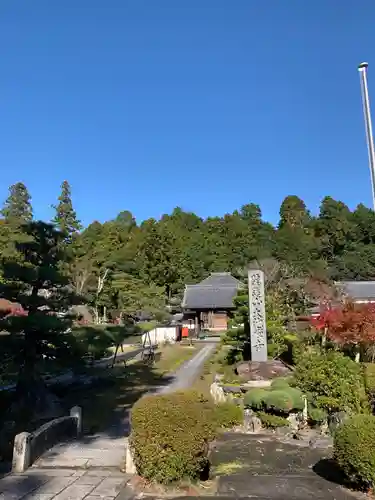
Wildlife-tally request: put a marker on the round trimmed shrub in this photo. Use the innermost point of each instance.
(297, 398)
(279, 383)
(335, 382)
(354, 449)
(170, 435)
(279, 401)
(255, 398)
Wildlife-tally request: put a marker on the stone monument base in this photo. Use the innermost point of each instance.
(262, 371)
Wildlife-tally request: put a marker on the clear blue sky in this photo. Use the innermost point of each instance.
(207, 104)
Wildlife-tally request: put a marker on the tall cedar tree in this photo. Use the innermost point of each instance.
(17, 208)
(38, 286)
(66, 218)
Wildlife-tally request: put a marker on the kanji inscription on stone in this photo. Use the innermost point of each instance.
(257, 316)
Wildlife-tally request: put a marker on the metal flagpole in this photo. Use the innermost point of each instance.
(362, 68)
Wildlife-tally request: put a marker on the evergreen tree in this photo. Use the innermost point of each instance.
(37, 284)
(66, 218)
(17, 208)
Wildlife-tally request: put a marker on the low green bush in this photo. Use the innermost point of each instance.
(369, 376)
(316, 415)
(255, 398)
(279, 383)
(279, 401)
(297, 398)
(354, 449)
(228, 414)
(170, 435)
(336, 382)
(272, 421)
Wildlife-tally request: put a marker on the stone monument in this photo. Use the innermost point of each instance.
(257, 316)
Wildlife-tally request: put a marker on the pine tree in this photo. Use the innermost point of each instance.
(17, 208)
(37, 284)
(66, 218)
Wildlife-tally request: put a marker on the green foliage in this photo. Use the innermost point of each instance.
(37, 284)
(17, 209)
(334, 381)
(279, 401)
(228, 414)
(279, 383)
(97, 340)
(170, 436)
(66, 218)
(354, 448)
(317, 415)
(272, 421)
(369, 375)
(255, 398)
(296, 396)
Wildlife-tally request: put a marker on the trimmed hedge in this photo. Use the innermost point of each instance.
(170, 435)
(279, 383)
(272, 421)
(354, 449)
(228, 414)
(297, 398)
(255, 398)
(279, 401)
(335, 382)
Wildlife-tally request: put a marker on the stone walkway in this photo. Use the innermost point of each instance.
(263, 467)
(89, 468)
(63, 484)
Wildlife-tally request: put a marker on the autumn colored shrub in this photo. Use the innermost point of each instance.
(354, 449)
(349, 325)
(170, 435)
(333, 381)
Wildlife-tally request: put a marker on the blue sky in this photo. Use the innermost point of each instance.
(144, 105)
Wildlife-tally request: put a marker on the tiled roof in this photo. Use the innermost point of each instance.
(357, 290)
(215, 292)
(220, 279)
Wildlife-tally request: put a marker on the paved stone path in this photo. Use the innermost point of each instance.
(262, 467)
(63, 484)
(90, 467)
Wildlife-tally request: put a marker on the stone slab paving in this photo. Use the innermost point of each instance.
(63, 484)
(263, 467)
(99, 450)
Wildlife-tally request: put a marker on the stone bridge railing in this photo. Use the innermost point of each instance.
(29, 446)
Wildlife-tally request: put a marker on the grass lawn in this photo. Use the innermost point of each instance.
(172, 356)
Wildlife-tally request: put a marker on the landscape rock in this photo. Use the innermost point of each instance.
(294, 421)
(252, 423)
(217, 393)
(336, 419)
(262, 370)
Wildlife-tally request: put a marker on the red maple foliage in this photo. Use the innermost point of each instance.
(8, 308)
(348, 323)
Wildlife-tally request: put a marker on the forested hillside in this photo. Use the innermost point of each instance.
(128, 267)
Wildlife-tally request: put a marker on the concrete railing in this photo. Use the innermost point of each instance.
(29, 446)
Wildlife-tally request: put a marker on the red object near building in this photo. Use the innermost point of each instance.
(185, 332)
